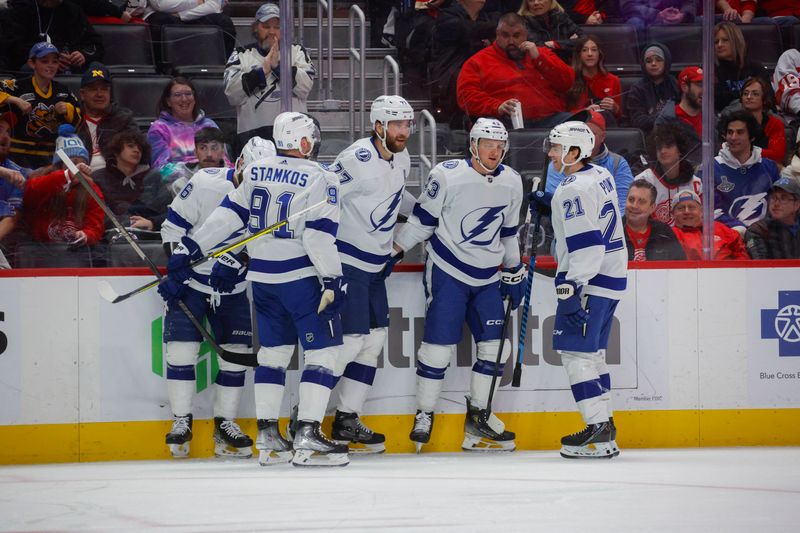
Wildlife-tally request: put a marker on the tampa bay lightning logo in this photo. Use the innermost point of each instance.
(382, 217)
(363, 155)
(749, 209)
(482, 225)
(453, 163)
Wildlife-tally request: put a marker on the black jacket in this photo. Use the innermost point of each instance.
(770, 239)
(646, 99)
(555, 26)
(730, 79)
(662, 245)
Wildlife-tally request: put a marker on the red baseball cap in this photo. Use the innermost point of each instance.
(597, 119)
(690, 74)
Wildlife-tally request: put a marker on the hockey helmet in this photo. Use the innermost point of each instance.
(386, 108)
(291, 127)
(255, 149)
(568, 135)
(487, 128)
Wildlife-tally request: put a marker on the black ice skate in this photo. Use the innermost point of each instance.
(179, 436)
(272, 447)
(593, 442)
(349, 429)
(230, 440)
(423, 425)
(480, 436)
(291, 427)
(313, 448)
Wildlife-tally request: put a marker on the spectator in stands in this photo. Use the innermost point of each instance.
(742, 177)
(158, 13)
(649, 95)
(741, 11)
(105, 11)
(12, 182)
(671, 173)
(594, 87)
(778, 235)
(792, 170)
(757, 100)
(40, 104)
(61, 23)
(101, 118)
(252, 78)
(171, 136)
(642, 13)
(733, 65)
(601, 156)
(514, 70)
(56, 207)
(461, 30)
(688, 213)
(210, 153)
(588, 12)
(647, 238)
(548, 25)
(688, 111)
(786, 82)
(782, 12)
(132, 190)
(414, 37)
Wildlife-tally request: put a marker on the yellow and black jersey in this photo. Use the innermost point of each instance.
(34, 134)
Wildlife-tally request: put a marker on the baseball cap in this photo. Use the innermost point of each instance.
(789, 185)
(684, 196)
(95, 72)
(597, 119)
(42, 49)
(690, 74)
(268, 11)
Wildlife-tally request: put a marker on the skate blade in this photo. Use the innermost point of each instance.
(274, 457)
(179, 451)
(312, 458)
(418, 446)
(227, 451)
(360, 448)
(598, 450)
(474, 443)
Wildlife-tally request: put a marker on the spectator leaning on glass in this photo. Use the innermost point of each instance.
(252, 77)
(778, 235)
(757, 99)
(648, 96)
(648, 239)
(688, 213)
(548, 25)
(594, 87)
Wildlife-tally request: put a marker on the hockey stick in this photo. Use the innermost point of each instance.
(496, 374)
(530, 234)
(109, 294)
(244, 359)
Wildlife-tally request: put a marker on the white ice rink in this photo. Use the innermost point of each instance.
(705, 490)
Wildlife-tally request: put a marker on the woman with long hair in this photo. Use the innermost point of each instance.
(595, 88)
(549, 25)
(758, 100)
(733, 65)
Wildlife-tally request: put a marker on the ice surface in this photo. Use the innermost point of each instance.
(709, 490)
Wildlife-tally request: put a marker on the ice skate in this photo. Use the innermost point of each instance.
(485, 433)
(313, 448)
(423, 425)
(349, 429)
(272, 447)
(593, 442)
(615, 448)
(291, 427)
(230, 440)
(179, 436)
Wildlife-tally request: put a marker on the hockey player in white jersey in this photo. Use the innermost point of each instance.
(372, 173)
(591, 278)
(285, 269)
(229, 315)
(468, 214)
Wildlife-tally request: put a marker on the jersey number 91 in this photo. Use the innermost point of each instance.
(260, 201)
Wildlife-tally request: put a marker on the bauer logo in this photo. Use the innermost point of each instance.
(783, 323)
(205, 369)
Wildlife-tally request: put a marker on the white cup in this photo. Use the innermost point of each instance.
(516, 117)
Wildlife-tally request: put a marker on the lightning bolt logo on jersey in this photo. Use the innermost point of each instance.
(740, 189)
(480, 227)
(749, 209)
(384, 217)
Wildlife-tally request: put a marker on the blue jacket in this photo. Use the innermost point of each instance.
(10, 196)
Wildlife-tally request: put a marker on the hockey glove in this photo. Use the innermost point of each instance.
(227, 272)
(569, 304)
(539, 202)
(331, 299)
(179, 265)
(511, 284)
(390, 263)
(171, 291)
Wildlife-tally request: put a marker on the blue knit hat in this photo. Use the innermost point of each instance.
(69, 141)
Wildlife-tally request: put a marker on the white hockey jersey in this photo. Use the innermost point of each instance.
(588, 230)
(665, 192)
(371, 191)
(469, 220)
(272, 189)
(189, 209)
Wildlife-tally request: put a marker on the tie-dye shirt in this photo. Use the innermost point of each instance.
(172, 141)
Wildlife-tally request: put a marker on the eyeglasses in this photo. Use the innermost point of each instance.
(184, 94)
(784, 199)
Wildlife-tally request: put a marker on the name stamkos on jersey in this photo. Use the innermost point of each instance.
(278, 175)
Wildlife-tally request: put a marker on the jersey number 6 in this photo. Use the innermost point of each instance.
(259, 207)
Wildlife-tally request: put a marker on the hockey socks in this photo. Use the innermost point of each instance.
(269, 386)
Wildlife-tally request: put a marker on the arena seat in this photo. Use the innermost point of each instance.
(764, 43)
(525, 153)
(193, 50)
(620, 46)
(625, 140)
(140, 94)
(626, 82)
(684, 42)
(127, 48)
(73, 83)
(211, 94)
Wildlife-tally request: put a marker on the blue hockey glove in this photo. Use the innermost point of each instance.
(511, 284)
(331, 299)
(390, 263)
(539, 202)
(569, 304)
(179, 265)
(227, 272)
(171, 291)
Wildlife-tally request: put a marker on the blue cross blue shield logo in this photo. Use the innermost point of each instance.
(783, 323)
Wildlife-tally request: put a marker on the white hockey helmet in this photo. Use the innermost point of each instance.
(487, 128)
(386, 108)
(568, 135)
(255, 149)
(291, 127)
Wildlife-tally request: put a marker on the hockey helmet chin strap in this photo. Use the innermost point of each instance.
(473, 149)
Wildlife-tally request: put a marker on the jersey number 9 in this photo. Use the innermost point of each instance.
(259, 209)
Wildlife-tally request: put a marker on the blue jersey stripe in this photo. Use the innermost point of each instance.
(448, 256)
(587, 389)
(583, 240)
(609, 282)
(269, 374)
(430, 372)
(226, 378)
(324, 225)
(348, 249)
(243, 213)
(279, 266)
(508, 232)
(488, 367)
(319, 375)
(178, 220)
(360, 372)
(425, 217)
(180, 372)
